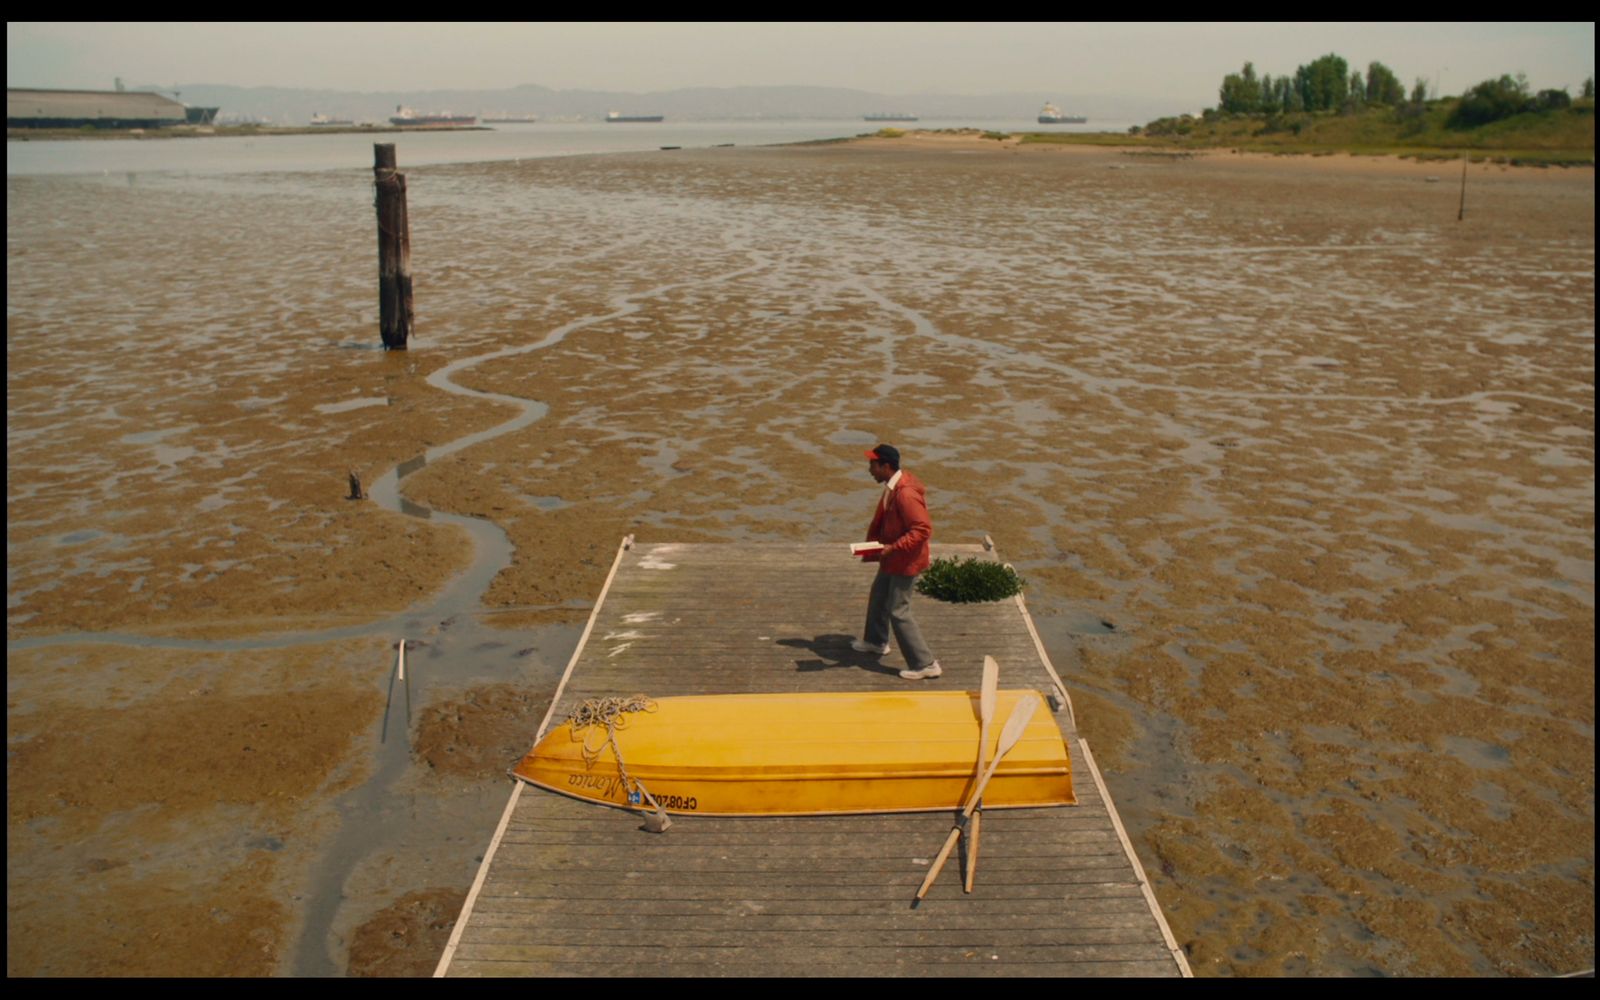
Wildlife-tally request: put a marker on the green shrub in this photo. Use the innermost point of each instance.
(1491, 101)
(968, 581)
(1278, 122)
(1412, 117)
(1553, 100)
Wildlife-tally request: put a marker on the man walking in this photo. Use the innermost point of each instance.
(901, 524)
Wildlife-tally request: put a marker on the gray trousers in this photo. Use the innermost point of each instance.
(890, 606)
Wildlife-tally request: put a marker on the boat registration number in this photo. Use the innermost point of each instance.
(610, 787)
(688, 804)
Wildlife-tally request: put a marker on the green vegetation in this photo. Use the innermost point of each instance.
(969, 581)
(1324, 107)
(1319, 109)
(1494, 100)
(1325, 84)
(1383, 87)
(890, 133)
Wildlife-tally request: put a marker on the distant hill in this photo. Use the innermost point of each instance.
(295, 106)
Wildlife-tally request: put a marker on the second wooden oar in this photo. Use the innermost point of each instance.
(986, 698)
(1009, 736)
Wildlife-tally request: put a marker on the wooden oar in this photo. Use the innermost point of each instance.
(991, 682)
(1008, 739)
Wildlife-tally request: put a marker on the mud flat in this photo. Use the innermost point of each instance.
(1300, 469)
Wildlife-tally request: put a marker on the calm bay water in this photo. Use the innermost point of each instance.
(248, 154)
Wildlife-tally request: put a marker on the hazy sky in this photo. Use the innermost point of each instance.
(1181, 62)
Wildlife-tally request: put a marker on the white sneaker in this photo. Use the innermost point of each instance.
(861, 646)
(927, 673)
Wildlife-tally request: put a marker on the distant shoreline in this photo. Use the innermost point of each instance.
(223, 131)
(974, 138)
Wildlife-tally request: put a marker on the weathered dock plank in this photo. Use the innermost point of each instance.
(570, 888)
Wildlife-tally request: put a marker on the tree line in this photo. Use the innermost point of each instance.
(1325, 84)
(1328, 84)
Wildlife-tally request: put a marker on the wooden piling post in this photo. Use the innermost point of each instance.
(394, 249)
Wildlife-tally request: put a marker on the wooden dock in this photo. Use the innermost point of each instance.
(570, 888)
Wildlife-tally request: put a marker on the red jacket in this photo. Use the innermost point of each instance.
(903, 527)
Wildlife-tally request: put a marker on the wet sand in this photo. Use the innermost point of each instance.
(1320, 455)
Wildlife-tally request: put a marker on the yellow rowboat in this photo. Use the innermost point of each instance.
(796, 754)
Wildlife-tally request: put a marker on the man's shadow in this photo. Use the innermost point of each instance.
(833, 652)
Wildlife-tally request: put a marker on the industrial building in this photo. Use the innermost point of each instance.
(97, 108)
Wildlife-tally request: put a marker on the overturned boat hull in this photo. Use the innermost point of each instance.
(800, 754)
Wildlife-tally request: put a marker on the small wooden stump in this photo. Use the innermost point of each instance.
(356, 492)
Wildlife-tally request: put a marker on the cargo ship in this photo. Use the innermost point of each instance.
(890, 116)
(1052, 115)
(617, 116)
(405, 116)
